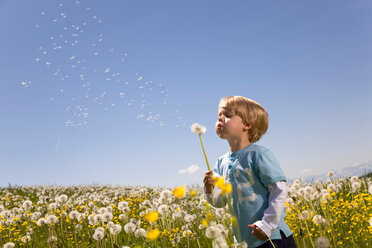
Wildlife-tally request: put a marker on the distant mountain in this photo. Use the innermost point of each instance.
(357, 170)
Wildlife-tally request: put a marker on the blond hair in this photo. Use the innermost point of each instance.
(251, 112)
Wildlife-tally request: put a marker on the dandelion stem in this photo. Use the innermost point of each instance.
(205, 155)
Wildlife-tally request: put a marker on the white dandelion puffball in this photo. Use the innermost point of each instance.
(305, 215)
(51, 219)
(198, 129)
(26, 239)
(98, 235)
(354, 179)
(317, 219)
(140, 233)
(115, 229)
(220, 242)
(355, 186)
(129, 228)
(74, 215)
(27, 204)
(9, 245)
(321, 242)
(370, 189)
(163, 209)
(212, 232)
(370, 221)
(62, 198)
(330, 174)
(332, 187)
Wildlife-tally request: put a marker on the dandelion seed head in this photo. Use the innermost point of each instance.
(322, 242)
(198, 129)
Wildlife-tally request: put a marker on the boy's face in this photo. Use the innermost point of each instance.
(230, 126)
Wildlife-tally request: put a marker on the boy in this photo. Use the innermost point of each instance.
(259, 188)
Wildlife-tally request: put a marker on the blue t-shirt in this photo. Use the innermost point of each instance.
(250, 171)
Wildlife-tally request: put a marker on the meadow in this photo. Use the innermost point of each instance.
(335, 213)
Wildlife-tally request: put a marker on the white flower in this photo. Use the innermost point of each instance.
(129, 228)
(330, 174)
(26, 239)
(189, 218)
(165, 194)
(301, 191)
(62, 198)
(100, 229)
(212, 232)
(40, 221)
(322, 242)
(220, 242)
(163, 209)
(318, 219)
(98, 235)
(27, 204)
(122, 205)
(355, 186)
(370, 189)
(74, 215)
(107, 216)
(102, 210)
(331, 187)
(305, 215)
(9, 245)
(115, 229)
(140, 232)
(354, 179)
(198, 129)
(123, 217)
(51, 219)
(314, 195)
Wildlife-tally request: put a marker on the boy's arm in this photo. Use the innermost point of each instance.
(277, 197)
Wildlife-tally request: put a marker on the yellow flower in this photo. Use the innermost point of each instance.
(153, 234)
(234, 221)
(192, 192)
(204, 222)
(219, 182)
(152, 216)
(225, 187)
(179, 191)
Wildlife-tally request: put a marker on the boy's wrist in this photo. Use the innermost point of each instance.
(266, 229)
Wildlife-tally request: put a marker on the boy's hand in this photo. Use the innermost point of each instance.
(208, 181)
(258, 233)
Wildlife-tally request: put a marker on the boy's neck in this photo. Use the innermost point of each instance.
(239, 144)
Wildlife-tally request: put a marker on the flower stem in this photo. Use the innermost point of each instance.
(205, 155)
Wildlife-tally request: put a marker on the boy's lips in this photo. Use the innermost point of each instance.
(219, 126)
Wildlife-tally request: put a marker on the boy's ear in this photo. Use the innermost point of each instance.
(247, 127)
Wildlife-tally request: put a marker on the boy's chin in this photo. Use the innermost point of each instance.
(221, 135)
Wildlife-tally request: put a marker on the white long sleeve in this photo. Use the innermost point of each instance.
(277, 197)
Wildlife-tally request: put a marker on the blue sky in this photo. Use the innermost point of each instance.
(116, 85)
